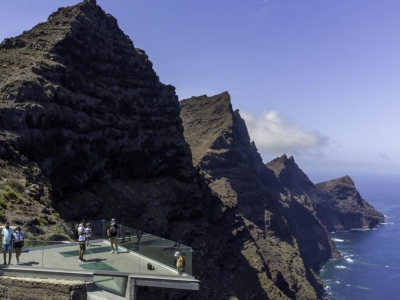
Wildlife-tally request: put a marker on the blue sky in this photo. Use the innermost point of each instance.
(315, 79)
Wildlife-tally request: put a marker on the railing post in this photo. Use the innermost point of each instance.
(131, 289)
(102, 232)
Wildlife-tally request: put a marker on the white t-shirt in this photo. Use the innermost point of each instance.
(88, 231)
(7, 233)
(82, 237)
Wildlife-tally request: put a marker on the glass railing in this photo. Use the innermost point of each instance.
(138, 252)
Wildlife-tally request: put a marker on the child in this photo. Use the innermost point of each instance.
(88, 234)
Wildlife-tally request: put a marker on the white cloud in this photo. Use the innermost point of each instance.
(273, 135)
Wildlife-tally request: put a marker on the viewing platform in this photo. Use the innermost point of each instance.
(109, 275)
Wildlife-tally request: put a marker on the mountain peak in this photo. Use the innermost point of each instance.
(288, 172)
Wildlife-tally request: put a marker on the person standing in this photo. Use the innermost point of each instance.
(82, 240)
(181, 263)
(88, 234)
(112, 233)
(139, 236)
(18, 243)
(7, 237)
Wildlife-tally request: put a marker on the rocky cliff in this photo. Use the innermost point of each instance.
(336, 203)
(78, 101)
(345, 207)
(277, 198)
(88, 130)
(234, 170)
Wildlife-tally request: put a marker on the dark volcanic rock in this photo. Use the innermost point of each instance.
(234, 170)
(297, 195)
(84, 117)
(345, 208)
(78, 99)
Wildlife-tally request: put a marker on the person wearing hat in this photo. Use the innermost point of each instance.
(7, 236)
(112, 233)
(176, 256)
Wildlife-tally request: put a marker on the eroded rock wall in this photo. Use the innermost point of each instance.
(233, 170)
(38, 289)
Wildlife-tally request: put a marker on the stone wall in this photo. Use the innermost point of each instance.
(12, 288)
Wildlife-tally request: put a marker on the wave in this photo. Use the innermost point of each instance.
(340, 267)
(338, 240)
(349, 260)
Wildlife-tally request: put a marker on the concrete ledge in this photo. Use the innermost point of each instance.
(86, 276)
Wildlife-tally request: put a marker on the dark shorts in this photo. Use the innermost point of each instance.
(82, 245)
(18, 245)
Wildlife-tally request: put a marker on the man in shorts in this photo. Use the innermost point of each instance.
(82, 240)
(112, 233)
(6, 235)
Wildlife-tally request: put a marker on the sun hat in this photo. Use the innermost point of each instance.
(177, 254)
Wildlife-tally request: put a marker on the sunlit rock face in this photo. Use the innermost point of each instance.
(88, 130)
(233, 169)
(343, 208)
(83, 103)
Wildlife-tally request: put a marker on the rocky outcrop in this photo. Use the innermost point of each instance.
(80, 106)
(94, 133)
(336, 203)
(233, 170)
(88, 130)
(78, 99)
(39, 289)
(343, 208)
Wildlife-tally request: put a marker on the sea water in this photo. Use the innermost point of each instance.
(370, 269)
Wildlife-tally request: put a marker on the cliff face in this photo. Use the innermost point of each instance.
(233, 170)
(88, 130)
(297, 195)
(345, 206)
(79, 100)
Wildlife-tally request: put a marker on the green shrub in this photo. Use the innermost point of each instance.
(42, 221)
(8, 196)
(16, 185)
(3, 203)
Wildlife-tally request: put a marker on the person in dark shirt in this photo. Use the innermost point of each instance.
(112, 233)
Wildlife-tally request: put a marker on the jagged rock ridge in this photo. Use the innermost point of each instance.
(91, 131)
(234, 170)
(81, 101)
(85, 119)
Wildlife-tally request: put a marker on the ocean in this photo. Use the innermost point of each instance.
(371, 268)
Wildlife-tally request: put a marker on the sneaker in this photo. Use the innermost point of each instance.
(18, 263)
(112, 251)
(80, 260)
(116, 252)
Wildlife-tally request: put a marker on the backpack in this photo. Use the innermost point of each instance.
(150, 266)
(76, 233)
(113, 231)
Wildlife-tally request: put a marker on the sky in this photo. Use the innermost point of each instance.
(315, 79)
